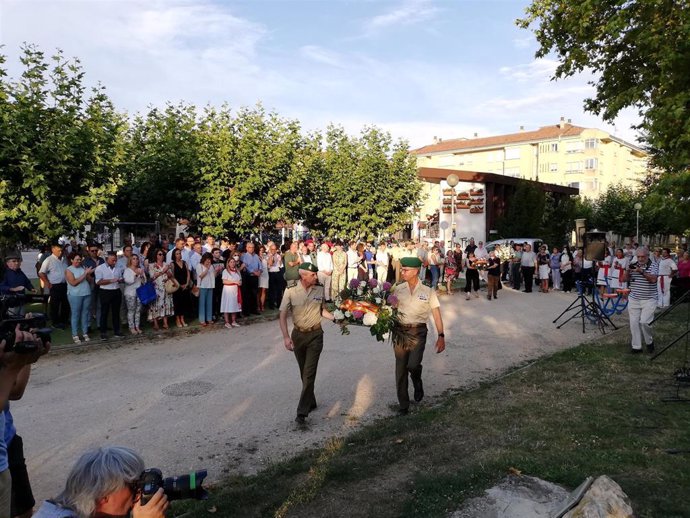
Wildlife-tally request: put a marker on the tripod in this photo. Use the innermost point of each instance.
(586, 309)
(682, 374)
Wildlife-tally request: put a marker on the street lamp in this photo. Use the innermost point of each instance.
(452, 180)
(637, 207)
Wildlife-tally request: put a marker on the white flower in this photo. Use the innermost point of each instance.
(378, 300)
(362, 284)
(376, 290)
(369, 319)
(348, 314)
(338, 315)
(386, 335)
(360, 291)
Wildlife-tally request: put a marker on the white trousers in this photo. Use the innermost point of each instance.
(325, 280)
(663, 295)
(641, 313)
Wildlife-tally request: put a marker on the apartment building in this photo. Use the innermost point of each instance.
(587, 159)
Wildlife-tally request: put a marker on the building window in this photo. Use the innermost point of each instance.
(513, 153)
(575, 147)
(554, 147)
(553, 167)
(591, 143)
(573, 167)
(494, 156)
(446, 160)
(591, 163)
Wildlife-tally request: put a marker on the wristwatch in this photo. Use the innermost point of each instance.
(441, 335)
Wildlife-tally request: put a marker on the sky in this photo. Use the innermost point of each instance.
(417, 68)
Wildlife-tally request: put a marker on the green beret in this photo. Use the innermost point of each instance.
(410, 262)
(310, 267)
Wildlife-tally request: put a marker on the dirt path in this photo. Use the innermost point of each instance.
(225, 400)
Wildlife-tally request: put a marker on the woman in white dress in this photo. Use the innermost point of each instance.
(617, 271)
(263, 279)
(231, 303)
(604, 271)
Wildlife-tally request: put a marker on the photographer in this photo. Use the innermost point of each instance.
(103, 483)
(642, 276)
(15, 368)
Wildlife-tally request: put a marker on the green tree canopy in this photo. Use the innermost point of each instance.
(639, 51)
(60, 149)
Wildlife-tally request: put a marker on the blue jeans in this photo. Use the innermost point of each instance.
(81, 309)
(435, 273)
(205, 305)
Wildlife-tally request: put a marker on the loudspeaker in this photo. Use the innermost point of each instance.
(595, 246)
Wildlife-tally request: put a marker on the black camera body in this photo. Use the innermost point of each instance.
(35, 323)
(176, 488)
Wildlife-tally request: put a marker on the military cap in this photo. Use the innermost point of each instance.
(410, 262)
(309, 267)
(13, 255)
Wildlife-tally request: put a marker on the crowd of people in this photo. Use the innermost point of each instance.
(222, 281)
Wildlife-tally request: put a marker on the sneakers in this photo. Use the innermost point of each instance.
(235, 324)
(76, 340)
(86, 338)
(104, 338)
(119, 335)
(228, 326)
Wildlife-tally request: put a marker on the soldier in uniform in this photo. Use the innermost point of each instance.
(339, 277)
(306, 302)
(415, 302)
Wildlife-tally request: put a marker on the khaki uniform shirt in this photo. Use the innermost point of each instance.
(339, 261)
(305, 305)
(415, 307)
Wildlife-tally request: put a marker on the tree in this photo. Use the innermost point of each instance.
(640, 53)
(252, 170)
(161, 175)
(371, 184)
(525, 213)
(615, 210)
(558, 219)
(59, 150)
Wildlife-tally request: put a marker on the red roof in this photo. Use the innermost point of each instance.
(544, 133)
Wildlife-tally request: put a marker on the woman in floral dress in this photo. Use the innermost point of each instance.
(162, 307)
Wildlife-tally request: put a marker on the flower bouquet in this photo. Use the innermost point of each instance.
(481, 264)
(366, 303)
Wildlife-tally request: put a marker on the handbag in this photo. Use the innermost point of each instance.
(146, 293)
(196, 291)
(171, 285)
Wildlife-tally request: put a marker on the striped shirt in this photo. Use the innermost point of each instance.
(640, 287)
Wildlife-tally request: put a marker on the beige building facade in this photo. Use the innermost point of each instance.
(588, 159)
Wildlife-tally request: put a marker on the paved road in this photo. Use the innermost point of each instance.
(225, 400)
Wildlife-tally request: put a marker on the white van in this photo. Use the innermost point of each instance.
(508, 242)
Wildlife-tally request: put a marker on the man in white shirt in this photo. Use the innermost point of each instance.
(324, 263)
(667, 270)
(108, 278)
(52, 273)
(179, 244)
(210, 244)
(382, 261)
(481, 253)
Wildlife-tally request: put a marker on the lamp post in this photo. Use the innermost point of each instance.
(452, 180)
(638, 206)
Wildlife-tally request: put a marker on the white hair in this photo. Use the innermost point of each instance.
(98, 473)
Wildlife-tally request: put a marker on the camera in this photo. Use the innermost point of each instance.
(176, 488)
(36, 323)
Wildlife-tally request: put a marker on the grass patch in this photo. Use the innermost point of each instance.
(594, 409)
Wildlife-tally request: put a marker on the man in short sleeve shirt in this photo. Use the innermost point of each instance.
(305, 301)
(642, 279)
(415, 302)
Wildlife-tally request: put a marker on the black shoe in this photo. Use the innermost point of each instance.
(418, 390)
(301, 419)
(650, 348)
(635, 351)
(403, 411)
(119, 335)
(104, 338)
